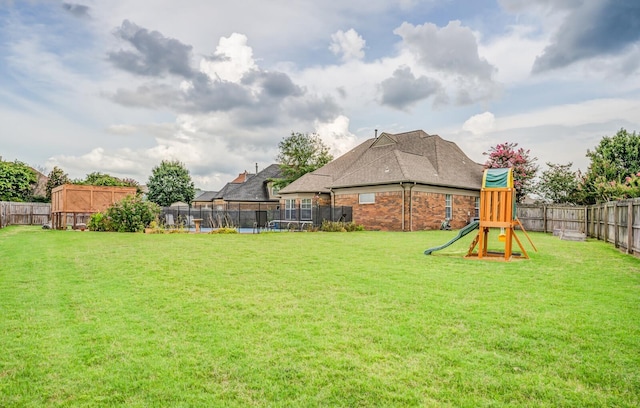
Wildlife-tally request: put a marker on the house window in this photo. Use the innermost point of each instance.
(305, 209)
(367, 198)
(275, 191)
(289, 209)
(477, 210)
(447, 206)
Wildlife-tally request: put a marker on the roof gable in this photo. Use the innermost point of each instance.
(383, 140)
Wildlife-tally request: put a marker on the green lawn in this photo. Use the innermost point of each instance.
(313, 320)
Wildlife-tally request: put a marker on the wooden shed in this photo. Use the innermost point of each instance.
(77, 199)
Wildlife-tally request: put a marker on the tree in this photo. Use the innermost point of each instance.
(300, 153)
(559, 184)
(16, 181)
(505, 155)
(170, 182)
(613, 160)
(101, 179)
(56, 177)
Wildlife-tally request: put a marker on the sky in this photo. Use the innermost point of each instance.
(118, 86)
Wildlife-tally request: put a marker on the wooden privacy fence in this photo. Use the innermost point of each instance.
(617, 222)
(549, 218)
(24, 213)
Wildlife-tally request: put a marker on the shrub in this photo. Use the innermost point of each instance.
(154, 228)
(224, 231)
(335, 226)
(98, 222)
(131, 214)
(352, 226)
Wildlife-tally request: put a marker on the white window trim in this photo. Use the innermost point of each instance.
(289, 209)
(306, 211)
(448, 205)
(372, 197)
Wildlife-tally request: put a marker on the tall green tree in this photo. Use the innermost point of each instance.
(16, 181)
(101, 179)
(56, 177)
(507, 155)
(170, 182)
(300, 153)
(559, 184)
(612, 161)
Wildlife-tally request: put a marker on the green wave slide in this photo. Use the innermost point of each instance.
(464, 231)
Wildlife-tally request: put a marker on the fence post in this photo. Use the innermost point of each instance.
(616, 232)
(606, 222)
(603, 213)
(630, 227)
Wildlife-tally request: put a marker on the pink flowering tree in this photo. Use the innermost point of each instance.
(506, 155)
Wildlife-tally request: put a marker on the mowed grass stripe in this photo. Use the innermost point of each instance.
(313, 319)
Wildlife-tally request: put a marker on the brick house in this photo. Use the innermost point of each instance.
(395, 182)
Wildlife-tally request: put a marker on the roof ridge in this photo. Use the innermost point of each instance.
(403, 167)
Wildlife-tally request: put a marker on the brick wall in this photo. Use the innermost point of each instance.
(427, 210)
(385, 214)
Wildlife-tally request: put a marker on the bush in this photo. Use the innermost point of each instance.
(352, 226)
(154, 228)
(98, 222)
(335, 226)
(224, 231)
(131, 214)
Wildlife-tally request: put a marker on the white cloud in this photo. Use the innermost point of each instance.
(575, 114)
(514, 53)
(452, 49)
(232, 59)
(479, 124)
(121, 129)
(348, 45)
(336, 135)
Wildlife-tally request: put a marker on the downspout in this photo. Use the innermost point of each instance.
(411, 206)
(333, 203)
(402, 187)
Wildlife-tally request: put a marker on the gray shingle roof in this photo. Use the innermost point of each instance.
(392, 158)
(253, 189)
(206, 196)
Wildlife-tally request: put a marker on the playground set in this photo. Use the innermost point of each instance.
(497, 210)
